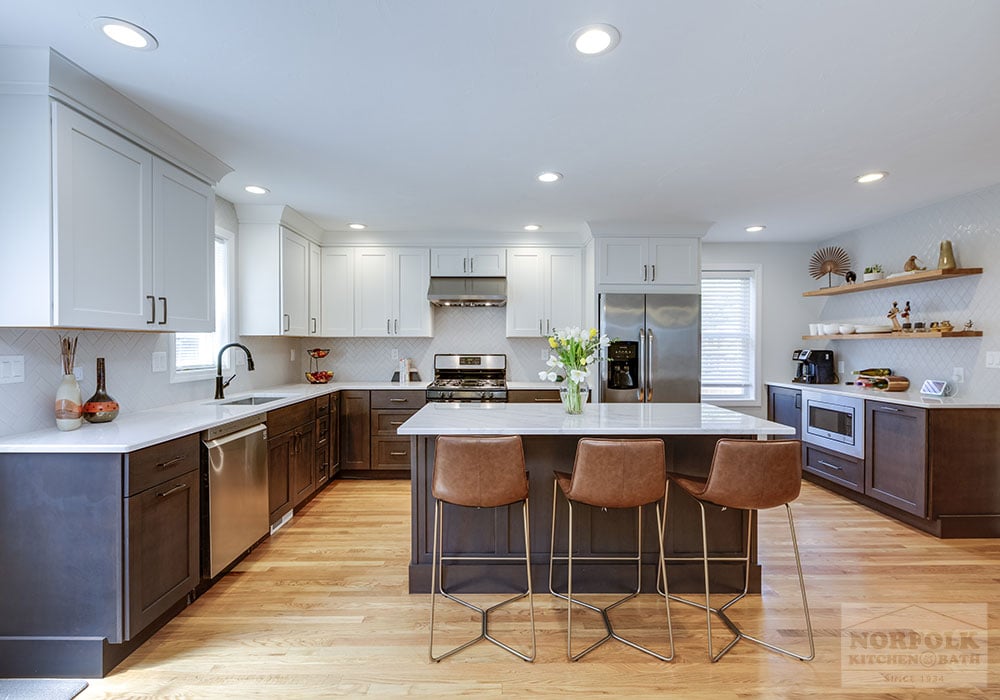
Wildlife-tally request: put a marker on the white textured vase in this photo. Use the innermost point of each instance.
(69, 404)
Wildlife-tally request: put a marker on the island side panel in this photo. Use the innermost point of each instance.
(498, 532)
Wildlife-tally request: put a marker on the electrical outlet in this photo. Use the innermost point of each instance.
(958, 375)
(840, 367)
(993, 359)
(545, 354)
(78, 373)
(159, 362)
(291, 355)
(394, 353)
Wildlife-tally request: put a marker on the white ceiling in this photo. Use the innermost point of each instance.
(435, 115)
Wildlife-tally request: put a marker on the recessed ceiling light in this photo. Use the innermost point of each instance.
(871, 177)
(357, 227)
(531, 227)
(549, 177)
(756, 228)
(126, 33)
(256, 189)
(596, 39)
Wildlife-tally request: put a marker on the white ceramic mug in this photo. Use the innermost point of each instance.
(813, 329)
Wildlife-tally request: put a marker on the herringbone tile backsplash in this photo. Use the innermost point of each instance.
(972, 223)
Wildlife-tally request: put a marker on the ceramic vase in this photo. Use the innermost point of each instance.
(69, 404)
(946, 258)
(573, 396)
(100, 408)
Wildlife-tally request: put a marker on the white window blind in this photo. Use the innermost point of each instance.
(728, 335)
(198, 351)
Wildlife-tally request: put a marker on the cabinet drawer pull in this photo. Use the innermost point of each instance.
(175, 489)
(888, 409)
(395, 400)
(152, 309)
(164, 321)
(169, 463)
(397, 454)
(828, 465)
(538, 400)
(395, 422)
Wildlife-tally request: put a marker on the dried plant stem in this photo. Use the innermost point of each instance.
(68, 352)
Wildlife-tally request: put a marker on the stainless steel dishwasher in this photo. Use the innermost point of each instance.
(235, 503)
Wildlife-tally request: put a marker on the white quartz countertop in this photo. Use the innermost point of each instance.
(912, 397)
(596, 419)
(133, 431)
(535, 385)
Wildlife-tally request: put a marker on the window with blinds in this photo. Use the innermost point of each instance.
(729, 335)
(195, 353)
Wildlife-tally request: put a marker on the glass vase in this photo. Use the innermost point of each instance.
(100, 408)
(573, 396)
(69, 404)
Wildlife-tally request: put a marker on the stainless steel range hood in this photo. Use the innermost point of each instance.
(467, 291)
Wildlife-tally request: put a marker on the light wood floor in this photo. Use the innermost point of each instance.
(321, 609)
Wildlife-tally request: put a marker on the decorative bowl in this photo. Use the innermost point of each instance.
(320, 377)
(846, 328)
(829, 328)
(318, 353)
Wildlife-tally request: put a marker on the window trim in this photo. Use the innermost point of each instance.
(194, 375)
(755, 270)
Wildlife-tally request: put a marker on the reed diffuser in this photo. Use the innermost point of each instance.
(69, 402)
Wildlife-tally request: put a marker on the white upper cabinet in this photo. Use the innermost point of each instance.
(295, 318)
(390, 294)
(544, 290)
(336, 292)
(468, 262)
(654, 263)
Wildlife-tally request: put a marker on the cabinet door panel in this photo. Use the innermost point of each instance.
(487, 262)
(303, 464)
(896, 454)
(674, 261)
(334, 434)
(103, 224)
(785, 406)
(372, 305)
(525, 300)
(294, 283)
(413, 316)
(355, 445)
(184, 250)
(620, 260)
(337, 293)
(279, 481)
(564, 289)
(315, 263)
(449, 262)
(163, 541)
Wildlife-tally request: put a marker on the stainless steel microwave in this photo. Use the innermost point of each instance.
(834, 422)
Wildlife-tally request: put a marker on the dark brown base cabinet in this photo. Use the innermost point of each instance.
(389, 410)
(932, 468)
(291, 458)
(785, 406)
(355, 431)
(98, 552)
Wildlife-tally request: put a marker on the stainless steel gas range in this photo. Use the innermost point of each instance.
(469, 378)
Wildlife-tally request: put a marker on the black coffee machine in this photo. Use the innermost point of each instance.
(814, 367)
(623, 364)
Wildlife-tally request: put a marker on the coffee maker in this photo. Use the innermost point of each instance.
(623, 364)
(814, 367)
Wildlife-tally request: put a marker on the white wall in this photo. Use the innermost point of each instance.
(785, 314)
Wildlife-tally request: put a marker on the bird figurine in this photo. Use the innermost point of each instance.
(912, 264)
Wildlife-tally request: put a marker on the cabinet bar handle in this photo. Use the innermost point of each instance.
(169, 462)
(388, 326)
(152, 309)
(397, 400)
(397, 454)
(654, 273)
(314, 325)
(828, 465)
(175, 489)
(645, 271)
(545, 400)
(540, 331)
(395, 422)
(164, 321)
(548, 326)
(472, 264)
(465, 264)
(888, 409)
(395, 326)
(288, 322)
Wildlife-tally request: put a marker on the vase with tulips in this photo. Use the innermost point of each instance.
(574, 352)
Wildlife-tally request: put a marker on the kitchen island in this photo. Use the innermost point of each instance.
(689, 431)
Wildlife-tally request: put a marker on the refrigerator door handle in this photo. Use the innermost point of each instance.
(640, 391)
(649, 365)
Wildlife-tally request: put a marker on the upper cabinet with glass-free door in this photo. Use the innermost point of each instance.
(544, 290)
(468, 262)
(390, 292)
(655, 264)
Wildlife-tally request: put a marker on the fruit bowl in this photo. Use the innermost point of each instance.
(318, 353)
(320, 377)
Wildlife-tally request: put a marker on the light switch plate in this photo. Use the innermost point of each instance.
(11, 369)
(159, 362)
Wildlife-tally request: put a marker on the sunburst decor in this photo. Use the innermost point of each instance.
(829, 261)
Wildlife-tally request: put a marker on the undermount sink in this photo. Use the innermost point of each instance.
(250, 400)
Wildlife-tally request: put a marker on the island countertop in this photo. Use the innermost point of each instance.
(596, 419)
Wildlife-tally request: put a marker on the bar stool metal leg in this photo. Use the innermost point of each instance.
(437, 588)
(610, 632)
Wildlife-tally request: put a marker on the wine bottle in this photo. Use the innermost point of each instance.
(100, 408)
(874, 372)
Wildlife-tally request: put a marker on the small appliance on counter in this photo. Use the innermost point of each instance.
(814, 367)
(405, 374)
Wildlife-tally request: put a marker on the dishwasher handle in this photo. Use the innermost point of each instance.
(239, 435)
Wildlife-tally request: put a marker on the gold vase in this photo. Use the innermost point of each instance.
(946, 258)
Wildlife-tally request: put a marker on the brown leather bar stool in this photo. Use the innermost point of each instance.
(611, 474)
(478, 472)
(750, 475)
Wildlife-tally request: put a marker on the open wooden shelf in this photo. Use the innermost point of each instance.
(896, 334)
(911, 278)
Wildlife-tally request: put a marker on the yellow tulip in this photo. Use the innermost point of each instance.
(552, 342)
(593, 332)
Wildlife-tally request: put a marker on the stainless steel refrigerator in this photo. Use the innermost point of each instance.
(655, 354)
